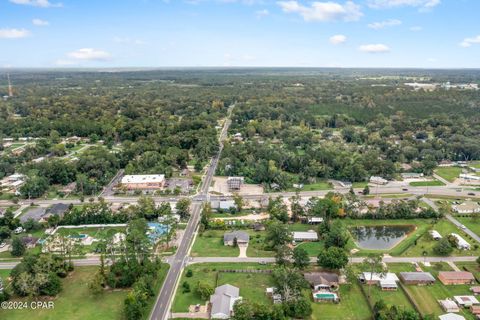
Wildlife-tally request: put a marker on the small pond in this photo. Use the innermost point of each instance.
(380, 237)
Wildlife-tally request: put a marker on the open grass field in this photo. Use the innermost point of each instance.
(432, 183)
(252, 286)
(75, 302)
(449, 173)
(93, 232)
(320, 185)
(352, 306)
(397, 298)
(427, 296)
(471, 223)
(426, 244)
(210, 244)
(472, 267)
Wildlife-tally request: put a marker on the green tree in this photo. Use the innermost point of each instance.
(443, 247)
(18, 247)
(332, 258)
(301, 260)
(373, 264)
(204, 290)
(277, 234)
(183, 208)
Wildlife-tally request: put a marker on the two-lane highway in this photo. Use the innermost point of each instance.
(165, 297)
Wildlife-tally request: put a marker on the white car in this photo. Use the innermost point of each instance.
(3, 244)
(18, 230)
(463, 227)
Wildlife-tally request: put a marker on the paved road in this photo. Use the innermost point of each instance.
(164, 299)
(108, 190)
(386, 259)
(385, 190)
(459, 224)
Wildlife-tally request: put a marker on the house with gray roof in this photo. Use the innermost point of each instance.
(33, 213)
(241, 236)
(222, 301)
(58, 209)
(418, 278)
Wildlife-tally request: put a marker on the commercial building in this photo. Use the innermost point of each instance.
(378, 180)
(466, 207)
(235, 183)
(143, 182)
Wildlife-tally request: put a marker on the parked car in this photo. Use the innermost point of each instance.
(3, 244)
(471, 194)
(463, 227)
(404, 189)
(18, 230)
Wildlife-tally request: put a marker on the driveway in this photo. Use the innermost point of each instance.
(243, 250)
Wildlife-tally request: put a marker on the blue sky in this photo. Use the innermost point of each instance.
(163, 33)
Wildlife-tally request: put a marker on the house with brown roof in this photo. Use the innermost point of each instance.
(475, 290)
(456, 277)
(322, 280)
(475, 310)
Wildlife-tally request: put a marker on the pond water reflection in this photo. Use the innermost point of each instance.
(380, 237)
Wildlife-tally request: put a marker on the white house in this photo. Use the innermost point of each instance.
(299, 236)
(462, 244)
(466, 301)
(378, 180)
(435, 235)
(466, 207)
(222, 301)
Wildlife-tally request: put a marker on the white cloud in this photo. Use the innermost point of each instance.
(338, 39)
(374, 48)
(383, 24)
(467, 42)
(89, 54)
(13, 33)
(262, 13)
(37, 3)
(323, 11)
(40, 22)
(422, 4)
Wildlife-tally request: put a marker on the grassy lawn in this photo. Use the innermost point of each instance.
(449, 173)
(321, 185)
(444, 227)
(256, 247)
(252, 286)
(472, 267)
(362, 184)
(421, 224)
(76, 302)
(93, 232)
(229, 215)
(427, 296)
(352, 306)
(312, 248)
(471, 223)
(210, 244)
(433, 183)
(397, 298)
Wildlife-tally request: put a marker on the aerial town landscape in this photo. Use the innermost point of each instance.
(259, 192)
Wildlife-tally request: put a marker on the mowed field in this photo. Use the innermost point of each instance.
(352, 306)
(252, 285)
(449, 173)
